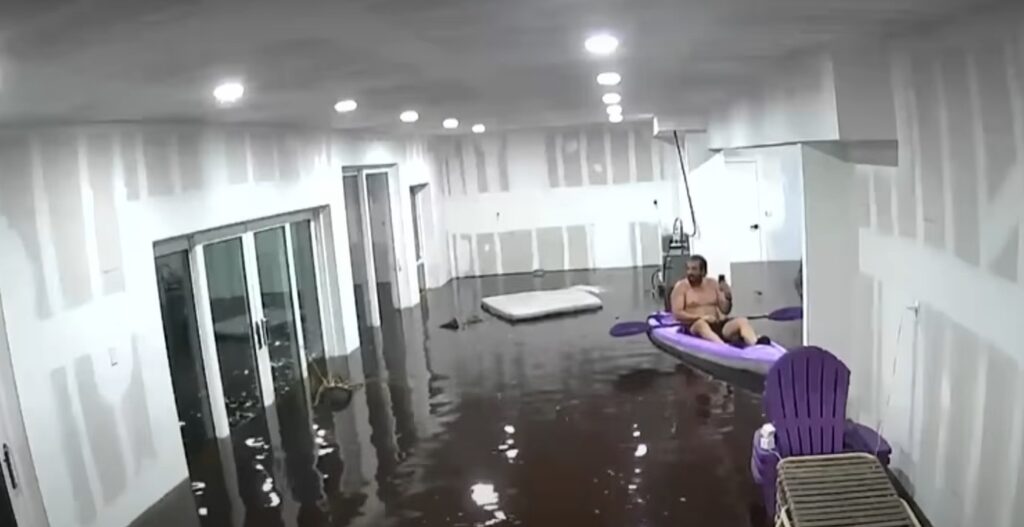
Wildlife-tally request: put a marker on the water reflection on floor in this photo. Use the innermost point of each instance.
(543, 424)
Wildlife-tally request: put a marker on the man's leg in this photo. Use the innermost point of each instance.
(703, 330)
(740, 327)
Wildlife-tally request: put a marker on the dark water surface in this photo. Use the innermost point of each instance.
(552, 423)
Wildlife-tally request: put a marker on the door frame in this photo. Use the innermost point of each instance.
(195, 244)
(26, 499)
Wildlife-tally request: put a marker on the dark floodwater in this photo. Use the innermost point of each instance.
(552, 423)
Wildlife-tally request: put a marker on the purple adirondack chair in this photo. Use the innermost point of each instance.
(805, 400)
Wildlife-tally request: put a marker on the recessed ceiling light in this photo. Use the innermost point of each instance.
(409, 116)
(229, 92)
(450, 123)
(601, 44)
(615, 118)
(479, 128)
(609, 78)
(345, 106)
(611, 98)
(614, 109)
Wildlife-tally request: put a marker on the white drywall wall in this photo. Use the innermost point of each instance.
(615, 183)
(796, 102)
(80, 209)
(739, 188)
(934, 294)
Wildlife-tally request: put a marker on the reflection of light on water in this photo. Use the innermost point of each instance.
(203, 511)
(268, 484)
(198, 486)
(275, 500)
(255, 442)
(636, 433)
(324, 451)
(485, 496)
(632, 486)
(509, 429)
(641, 451)
(511, 454)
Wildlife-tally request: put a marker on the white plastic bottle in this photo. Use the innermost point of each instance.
(767, 437)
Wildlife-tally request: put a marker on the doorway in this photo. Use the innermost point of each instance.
(242, 316)
(416, 198)
(370, 220)
(20, 499)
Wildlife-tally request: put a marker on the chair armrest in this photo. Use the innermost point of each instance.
(860, 438)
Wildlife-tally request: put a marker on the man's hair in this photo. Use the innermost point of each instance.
(701, 261)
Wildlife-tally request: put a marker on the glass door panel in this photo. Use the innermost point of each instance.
(276, 295)
(233, 330)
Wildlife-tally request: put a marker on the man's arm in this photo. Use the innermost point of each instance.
(679, 304)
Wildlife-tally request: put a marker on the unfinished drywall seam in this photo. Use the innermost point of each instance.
(945, 141)
(609, 172)
(631, 148)
(559, 161)
(92, 252)
(976, 425)
(48, 257)
(582, 151)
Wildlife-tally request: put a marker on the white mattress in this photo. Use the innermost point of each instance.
(539, 304)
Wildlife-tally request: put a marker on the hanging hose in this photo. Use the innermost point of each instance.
(686, 184)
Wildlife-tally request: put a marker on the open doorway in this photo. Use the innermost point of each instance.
(416, 198)
(370, 200)
(20, 500)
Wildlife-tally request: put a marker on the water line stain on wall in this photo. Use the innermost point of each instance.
(58, 154)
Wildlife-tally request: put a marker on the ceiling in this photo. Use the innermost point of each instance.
(504, 63)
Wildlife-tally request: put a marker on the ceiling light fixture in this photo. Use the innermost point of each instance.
(479, 128)
(409, 116)
(345, 106)
(615, 118)
(601, 44)
(614, 109)
(609, 78)
(611, 98)
(229, 92)
(450, 123)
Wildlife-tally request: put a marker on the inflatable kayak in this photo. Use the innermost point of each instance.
(752, 362)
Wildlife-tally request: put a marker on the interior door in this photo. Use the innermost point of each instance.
(744, 216)
(20, 499)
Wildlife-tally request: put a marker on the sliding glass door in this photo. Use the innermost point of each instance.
(242, 315)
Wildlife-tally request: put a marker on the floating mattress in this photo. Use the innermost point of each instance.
(539, 304)
(667, 335)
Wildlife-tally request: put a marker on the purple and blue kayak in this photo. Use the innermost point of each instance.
(665, 333)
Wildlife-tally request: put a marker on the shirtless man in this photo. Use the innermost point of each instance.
(700, 304)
